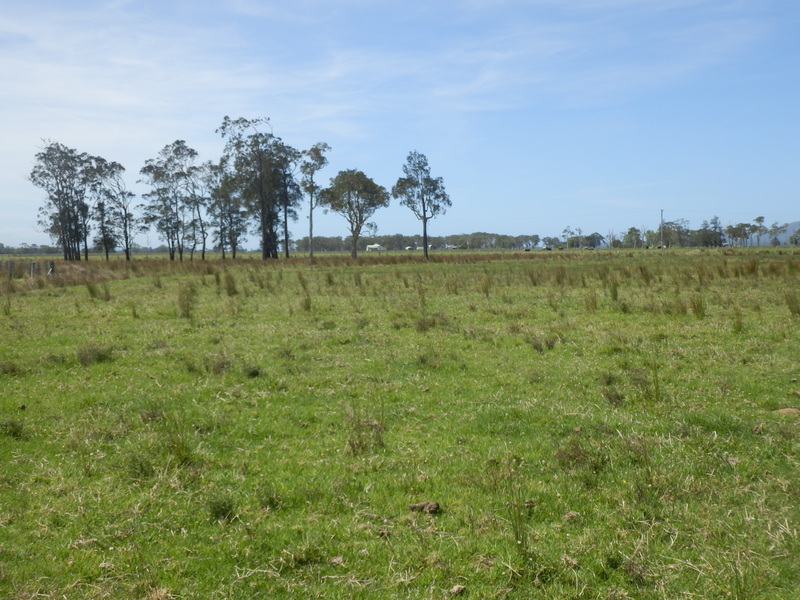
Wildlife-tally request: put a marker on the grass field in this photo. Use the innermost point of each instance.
(592, 425)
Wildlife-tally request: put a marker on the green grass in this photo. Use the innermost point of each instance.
(593, 425)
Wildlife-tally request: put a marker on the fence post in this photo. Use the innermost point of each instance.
(32, 269)
(51, 267)
(10, 269)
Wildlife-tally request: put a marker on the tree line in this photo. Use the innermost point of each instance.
(255, 187)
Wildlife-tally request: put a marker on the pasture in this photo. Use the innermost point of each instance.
(599, 425)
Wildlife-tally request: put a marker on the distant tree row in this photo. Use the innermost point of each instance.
(256, 187)
(709, 234)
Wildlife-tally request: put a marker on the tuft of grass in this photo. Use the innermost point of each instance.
(698, 306)
(221, 507)
(364, 431)
(90, 354)
(13, 428)
(187, 299)
(230, 284)
(793, 302)
(11, 368)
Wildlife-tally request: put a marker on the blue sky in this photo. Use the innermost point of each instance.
(538, 114)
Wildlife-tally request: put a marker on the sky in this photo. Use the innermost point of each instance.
(539, 115)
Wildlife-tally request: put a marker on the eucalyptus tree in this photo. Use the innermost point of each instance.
(114, 209)
(286, 161)
(356, 197)
(758, 229)
(226, 207)
(68, 178)
(421, 193)
(775, 231)
(253, 157)
(169, 203)
(197, 199)
(315, 160)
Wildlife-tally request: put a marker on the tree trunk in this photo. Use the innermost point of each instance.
(310, 232)
(425, 238)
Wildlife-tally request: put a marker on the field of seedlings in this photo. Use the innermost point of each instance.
(560, 425)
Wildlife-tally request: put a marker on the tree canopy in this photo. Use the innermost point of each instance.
(421, 193)
(356, 197)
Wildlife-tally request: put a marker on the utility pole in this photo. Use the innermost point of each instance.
(661, 229)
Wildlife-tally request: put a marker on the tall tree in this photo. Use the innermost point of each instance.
(758, 229)
(421, 193)
(775, 231)
(116, 202)
(67, 177)
(169, 204)
(226, 207)
(356, 197)
(252, 153)
(315, 160)
(286, 162)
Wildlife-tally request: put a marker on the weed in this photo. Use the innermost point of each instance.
(737, 325)
(218, 363)
(486, 285)
(138, 466)
(590, 300)
(698, 306)
(793, 302)
(12, 428)
(252, 371)
(427, 322)
(230, 284)
(613, 289)
(305, 302)
(92, 288)
(365, 432)
(614, 396)
(221, 507)
(187, 299)
(8, 367)
(269, 498)
(91, 354)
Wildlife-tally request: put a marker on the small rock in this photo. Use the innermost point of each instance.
(457, 589)
(336, 560)
(426, 507)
